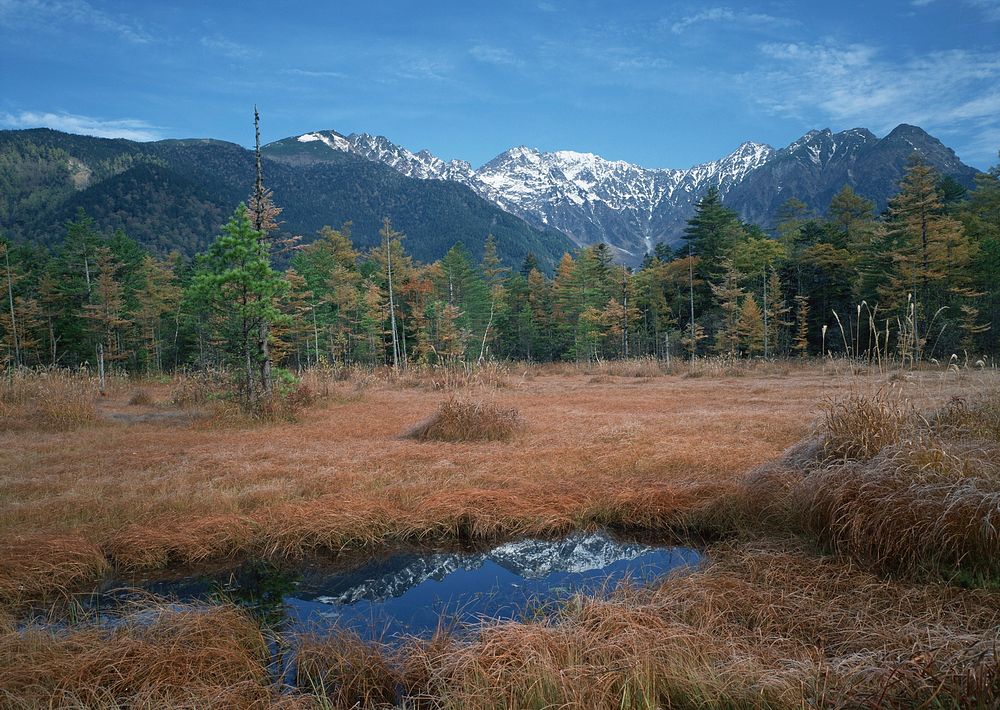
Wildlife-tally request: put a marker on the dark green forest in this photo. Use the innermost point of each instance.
(918, 282)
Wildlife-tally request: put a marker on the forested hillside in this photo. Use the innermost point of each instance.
(176, 194)
(920, 282)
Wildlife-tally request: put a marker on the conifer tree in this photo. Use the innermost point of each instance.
(12, 338)
(802, 325)
(931, 254)
(980, 217)
(263, 219)
(750, 327)
(240, 289)
(727, 296)
(712, 233)
(853, 215)
(775, 313)
(161, 295)
(105, 311)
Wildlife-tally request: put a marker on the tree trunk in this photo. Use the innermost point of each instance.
(13, 318)
(392, 306)
(100, 367)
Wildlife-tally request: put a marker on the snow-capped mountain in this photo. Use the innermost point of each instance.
(631, 208)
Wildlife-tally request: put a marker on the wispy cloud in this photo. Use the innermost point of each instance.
(131, 128)
(952, 92)
(989, 8)
(496, 55)
(726, 15)
(229, 48)
(35, 14)
(417, 64)
(315, 74)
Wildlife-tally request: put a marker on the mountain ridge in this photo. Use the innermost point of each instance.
(631, 207)
(176, 194)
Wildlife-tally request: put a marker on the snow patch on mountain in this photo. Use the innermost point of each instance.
(629, 207)
(331, 139)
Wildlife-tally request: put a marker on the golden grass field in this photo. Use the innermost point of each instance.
(821, 588)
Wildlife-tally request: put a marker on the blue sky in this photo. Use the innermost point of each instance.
(661, 84)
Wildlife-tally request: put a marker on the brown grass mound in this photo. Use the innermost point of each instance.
(346, 671)
(155, 543)
(140, 398)
(918, 504)
(340, 523)
(859, 426)
(892, 489)
(490, 514)
(36, 566)
(469, 420)
(159, 657)
(977, 418)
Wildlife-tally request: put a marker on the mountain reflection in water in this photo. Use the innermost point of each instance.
(410, 592)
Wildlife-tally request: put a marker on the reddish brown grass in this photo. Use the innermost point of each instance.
(859, 426)
(766, 624)
(157, 658)
(140, 398)
(54, 400)
(38, 564)
(468, 420)
(891, 488)
(657, 454)
(346, 671)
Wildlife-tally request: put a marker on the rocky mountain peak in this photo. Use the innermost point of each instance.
(631, 208)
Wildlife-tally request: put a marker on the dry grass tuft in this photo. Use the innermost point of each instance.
(346, 671)
(56, 400)
(915, 505)
(42, 566)
(978, 417)
(697, 509)
(140, 398)
(469, 420)
(335, 524)
(157, 657)
(893, 490)
(859, 426)
(153, 544)
(490, 514)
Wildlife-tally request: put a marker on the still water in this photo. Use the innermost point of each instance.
(412, 592)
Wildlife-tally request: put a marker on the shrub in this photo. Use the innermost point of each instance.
(468, 420)
(140, 397)
(195, 389)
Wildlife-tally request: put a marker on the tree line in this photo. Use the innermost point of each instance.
(920, 281)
